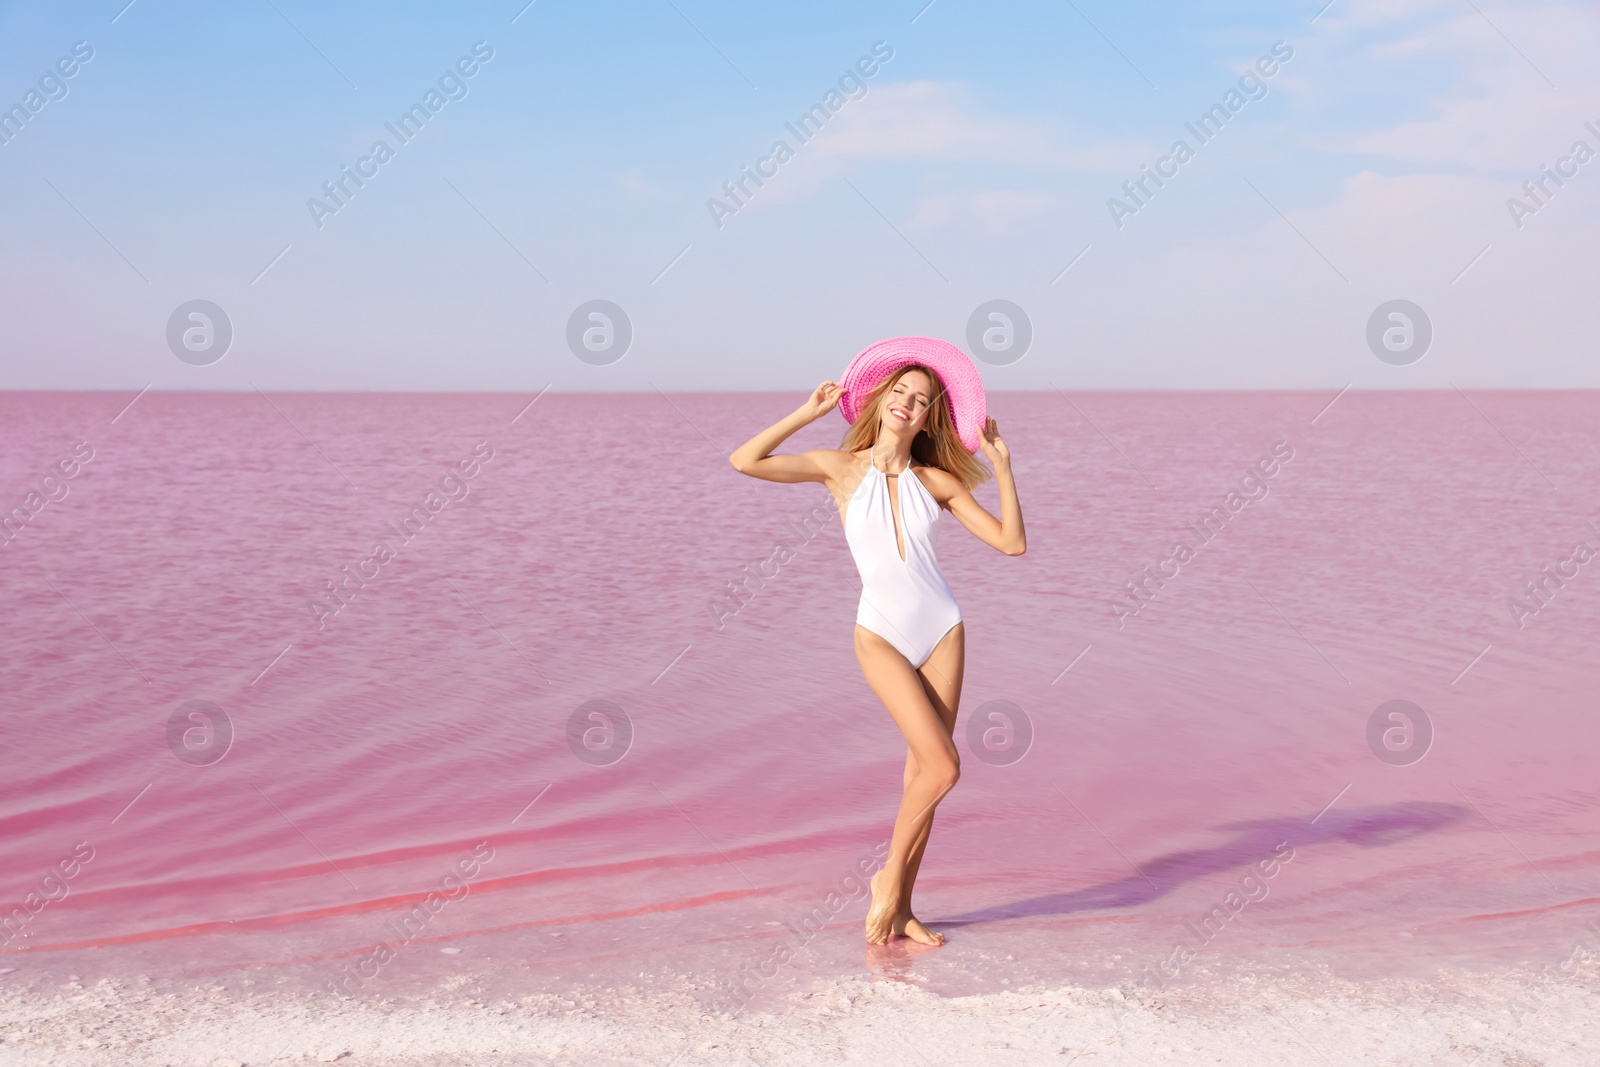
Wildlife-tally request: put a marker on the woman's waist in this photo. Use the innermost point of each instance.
(900, 580)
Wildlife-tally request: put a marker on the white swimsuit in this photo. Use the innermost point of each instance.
(906, 602)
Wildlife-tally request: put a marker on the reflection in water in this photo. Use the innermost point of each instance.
(896, 960)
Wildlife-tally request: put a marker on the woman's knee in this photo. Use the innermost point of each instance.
(953, 775)
(943, 772)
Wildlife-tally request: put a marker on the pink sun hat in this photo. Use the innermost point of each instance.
(963, 387)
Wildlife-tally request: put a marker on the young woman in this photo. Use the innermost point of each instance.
(918, 414)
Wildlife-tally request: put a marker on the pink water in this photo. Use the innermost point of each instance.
(1224, 721)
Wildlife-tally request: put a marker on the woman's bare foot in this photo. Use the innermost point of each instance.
(909, 925)
(881, 912)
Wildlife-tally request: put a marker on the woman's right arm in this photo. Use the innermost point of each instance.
(754, 456)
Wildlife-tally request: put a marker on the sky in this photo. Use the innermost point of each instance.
(1373, 151)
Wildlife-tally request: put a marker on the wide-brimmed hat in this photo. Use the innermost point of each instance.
(958, 375)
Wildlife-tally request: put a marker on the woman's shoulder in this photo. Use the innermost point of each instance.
(940, 482)
(932, 475)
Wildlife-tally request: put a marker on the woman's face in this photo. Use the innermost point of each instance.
(906, 404)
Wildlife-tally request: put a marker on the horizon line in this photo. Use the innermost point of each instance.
(803, 389)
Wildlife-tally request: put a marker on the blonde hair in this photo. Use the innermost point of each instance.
(936, 444)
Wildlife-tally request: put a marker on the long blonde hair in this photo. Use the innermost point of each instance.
(936, 444)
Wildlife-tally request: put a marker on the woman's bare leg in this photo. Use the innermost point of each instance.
(941, 681)
(938, 768)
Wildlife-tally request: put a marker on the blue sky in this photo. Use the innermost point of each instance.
(977, 165)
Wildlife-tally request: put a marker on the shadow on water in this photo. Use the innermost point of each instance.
(1372, 827)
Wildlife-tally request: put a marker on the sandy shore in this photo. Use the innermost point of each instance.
(1515, 1020)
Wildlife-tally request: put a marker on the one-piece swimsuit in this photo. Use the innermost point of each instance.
(907, 602)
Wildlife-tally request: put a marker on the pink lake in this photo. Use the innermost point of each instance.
(375, 747)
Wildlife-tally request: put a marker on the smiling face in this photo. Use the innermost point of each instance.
(911, 408)
(903, 411)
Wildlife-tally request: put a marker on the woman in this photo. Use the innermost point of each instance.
(917, 411)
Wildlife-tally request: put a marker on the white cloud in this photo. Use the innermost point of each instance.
(1262, 307)
(937, 120)
(999, 211)
(937, 123)
(1496, 113)
(1003, 209)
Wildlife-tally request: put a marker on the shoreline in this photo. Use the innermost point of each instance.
(1512, 1018)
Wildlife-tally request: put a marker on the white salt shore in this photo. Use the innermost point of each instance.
(1461, 1019)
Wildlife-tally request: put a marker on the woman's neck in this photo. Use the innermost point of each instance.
(890, 455)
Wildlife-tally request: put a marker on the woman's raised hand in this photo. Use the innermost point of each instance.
(823, 400)
(992, 445)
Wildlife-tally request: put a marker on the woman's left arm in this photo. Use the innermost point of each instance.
(1006, 532)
